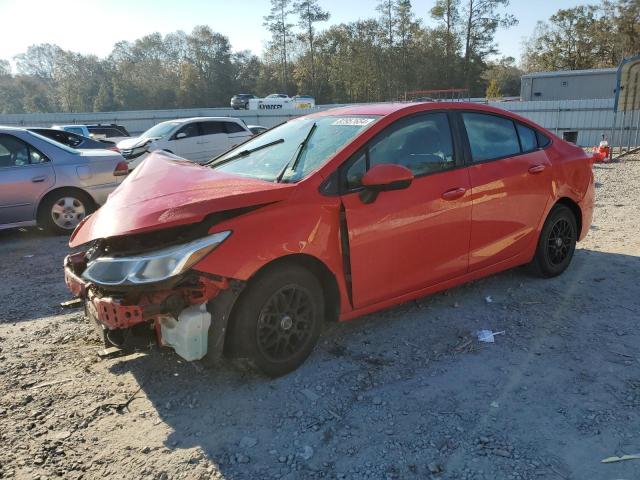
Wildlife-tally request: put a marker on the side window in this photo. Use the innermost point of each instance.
(190, 129)
(356, 171)
(490, 136)
(528, 140)
(112, 132)
(543, 140)
(16, 153)
(422, 143)
(36, 157)
(232, 127)
(212, 128)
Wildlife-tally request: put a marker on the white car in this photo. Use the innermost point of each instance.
(197, 139)
(280, 101)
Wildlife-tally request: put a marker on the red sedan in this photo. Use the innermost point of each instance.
(327, 217)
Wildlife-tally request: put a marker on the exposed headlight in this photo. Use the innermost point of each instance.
(151, 267)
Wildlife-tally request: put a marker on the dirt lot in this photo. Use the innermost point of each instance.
(406, 393)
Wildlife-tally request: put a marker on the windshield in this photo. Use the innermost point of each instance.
(54, 143)
(277, 161)
(160, 130)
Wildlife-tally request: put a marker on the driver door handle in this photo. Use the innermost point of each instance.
(536, 169)
(38, 179)
(454, 193)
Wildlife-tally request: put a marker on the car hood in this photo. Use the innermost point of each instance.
(166, 191)
(133, 142)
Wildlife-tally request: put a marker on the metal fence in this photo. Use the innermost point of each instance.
(140, 120)
(581, 121)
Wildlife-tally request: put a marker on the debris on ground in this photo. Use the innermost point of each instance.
(623, 458)
(487, 335)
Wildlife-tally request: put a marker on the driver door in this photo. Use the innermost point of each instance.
(409, 239)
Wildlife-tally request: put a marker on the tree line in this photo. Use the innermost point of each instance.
(586, 36)
(381, 58)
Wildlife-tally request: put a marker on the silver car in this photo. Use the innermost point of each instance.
(49, 184)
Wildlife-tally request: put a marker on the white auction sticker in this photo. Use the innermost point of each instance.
(353, 121)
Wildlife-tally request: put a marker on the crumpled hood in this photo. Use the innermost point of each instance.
(133, 142)
(166, 191)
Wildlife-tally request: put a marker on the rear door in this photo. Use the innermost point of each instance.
(25, 175)
(214, 139)
(236, 134)
(187, 145)
(511, 180)
(408, 239)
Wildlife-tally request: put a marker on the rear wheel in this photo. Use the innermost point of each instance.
(62, 211)
(278, 319)
(557, 242)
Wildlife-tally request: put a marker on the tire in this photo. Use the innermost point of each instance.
(263, 326)
(557, 243)
(61, 211)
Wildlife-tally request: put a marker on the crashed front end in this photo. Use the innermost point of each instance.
(133, 284)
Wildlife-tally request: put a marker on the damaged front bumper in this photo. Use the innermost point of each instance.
(160, 307)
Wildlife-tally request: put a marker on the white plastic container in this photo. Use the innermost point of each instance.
(187, 334)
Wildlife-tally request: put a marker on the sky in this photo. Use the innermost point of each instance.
(94, 26)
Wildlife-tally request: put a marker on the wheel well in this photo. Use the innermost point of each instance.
(575, 208)
(57, 191)
(322, 273)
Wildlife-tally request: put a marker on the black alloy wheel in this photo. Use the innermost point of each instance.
(285, 323)
(560, 241)
(277, 319)
(557, 242)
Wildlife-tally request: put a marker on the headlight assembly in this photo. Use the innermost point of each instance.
(151, 267)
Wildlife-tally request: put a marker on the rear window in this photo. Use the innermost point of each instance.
(54, 143)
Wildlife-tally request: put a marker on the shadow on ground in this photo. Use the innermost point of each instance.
(410, 393)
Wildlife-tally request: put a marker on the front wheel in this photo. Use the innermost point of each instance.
(557, 243)
(278, 319)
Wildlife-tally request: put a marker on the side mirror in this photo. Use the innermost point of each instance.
(180, 135)
(383, 178)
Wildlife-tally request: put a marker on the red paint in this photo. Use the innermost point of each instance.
(165, 192)
(442, 230)
(386, 174)
(115, 313)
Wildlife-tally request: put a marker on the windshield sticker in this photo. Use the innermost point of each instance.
(353, 122)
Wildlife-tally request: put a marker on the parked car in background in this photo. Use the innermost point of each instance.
(111, 132)
(281, 101)
(47, 183)
(197, 139)
(304, 101)
(257, 129)
(241, 101)
(73, 140)
(328, 217)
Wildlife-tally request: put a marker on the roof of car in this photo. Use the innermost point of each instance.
(385, 109)
(184, 120)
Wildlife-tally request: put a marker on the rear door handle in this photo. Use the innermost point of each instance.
(38, 179)
(454, 193)
(536, 169)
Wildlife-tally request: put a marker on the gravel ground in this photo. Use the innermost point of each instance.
(405, 393)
